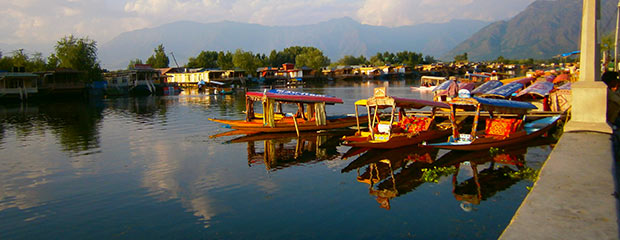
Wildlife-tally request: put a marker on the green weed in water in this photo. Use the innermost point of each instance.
(435, 173)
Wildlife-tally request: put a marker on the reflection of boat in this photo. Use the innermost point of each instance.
(391, 173)
(499, 132)
(287, 149)
(498, 176)
(406, 130)
(274, 119)
(215, 87)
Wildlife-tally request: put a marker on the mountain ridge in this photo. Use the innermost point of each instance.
(544, 29)
(335, 37)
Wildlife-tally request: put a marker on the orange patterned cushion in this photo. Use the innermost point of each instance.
(500, 127)
(416, 124)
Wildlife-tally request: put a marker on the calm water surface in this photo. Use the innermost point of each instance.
(144, 168)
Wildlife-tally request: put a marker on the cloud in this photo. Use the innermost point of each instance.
(407, 12)
(46, 21)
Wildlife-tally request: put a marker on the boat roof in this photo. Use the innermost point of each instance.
(487, 86)
(292, 96)
(540, 89)
(18, 74)
(489, 104)
(444, 85)
(387, 101)
(433, 78)
(504, 91)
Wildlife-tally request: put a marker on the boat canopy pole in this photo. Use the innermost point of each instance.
(357, 120)
(392, 120)
(455, 132)
(475, 126)
(369, 121)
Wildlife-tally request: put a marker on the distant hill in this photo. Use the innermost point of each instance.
(336, 38)
(544, 29)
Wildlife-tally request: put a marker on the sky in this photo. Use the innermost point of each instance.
(46, 21)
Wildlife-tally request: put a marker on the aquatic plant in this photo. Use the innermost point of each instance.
(435, 173)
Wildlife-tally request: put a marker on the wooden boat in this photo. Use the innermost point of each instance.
(499, 132)
(274, 119)
(394, 133)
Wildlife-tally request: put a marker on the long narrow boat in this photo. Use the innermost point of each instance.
(394, 133)
(499, 132)
(310, 115)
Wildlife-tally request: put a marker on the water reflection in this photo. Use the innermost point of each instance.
(75, 124)
(392, 173)
(492, 171)
(281, 150)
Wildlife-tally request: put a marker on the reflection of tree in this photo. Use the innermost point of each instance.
(75, 124)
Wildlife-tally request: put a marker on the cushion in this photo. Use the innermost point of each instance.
(416, 124)
(502, 126)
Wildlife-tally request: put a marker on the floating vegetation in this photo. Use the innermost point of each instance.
(435, 173)
(527, 173)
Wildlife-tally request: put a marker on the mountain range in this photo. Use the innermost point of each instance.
(336, 38)
(546, 28)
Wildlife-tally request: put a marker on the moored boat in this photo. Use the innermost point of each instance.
(498, 132)
(400, 130)
(310, 115)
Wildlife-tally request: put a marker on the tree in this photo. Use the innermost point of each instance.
(52, 62)
(246, 61)
(312, 58)
(225, 60)
(159, 59)
(206, 59)
(78, 54)
(37, 63)
(461, 58)
(132, 63)
(348, 60)
(429, 59)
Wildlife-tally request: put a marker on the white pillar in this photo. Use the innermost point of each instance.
(589, 100)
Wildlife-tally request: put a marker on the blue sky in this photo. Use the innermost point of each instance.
(46, 21)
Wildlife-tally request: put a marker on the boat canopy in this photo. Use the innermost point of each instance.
(492, 105)
(386, 101)
(433, 78)
(566, 86)
(293, 97)
(487, 86)
(540, 89)
(504, 91)
(443, 86)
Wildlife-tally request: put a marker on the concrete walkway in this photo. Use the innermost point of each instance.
(574, 195)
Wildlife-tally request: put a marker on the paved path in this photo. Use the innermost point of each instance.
(574, 196)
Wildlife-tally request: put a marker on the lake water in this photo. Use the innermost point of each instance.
(146, 168)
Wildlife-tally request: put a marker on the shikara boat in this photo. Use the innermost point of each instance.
(273, 119)
(499, 132)
(400, 130)
(428, 83)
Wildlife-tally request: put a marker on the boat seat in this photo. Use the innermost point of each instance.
(502, 127)
(415, 124)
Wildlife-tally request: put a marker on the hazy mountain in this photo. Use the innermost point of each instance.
(544, 29)
(336, 38)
